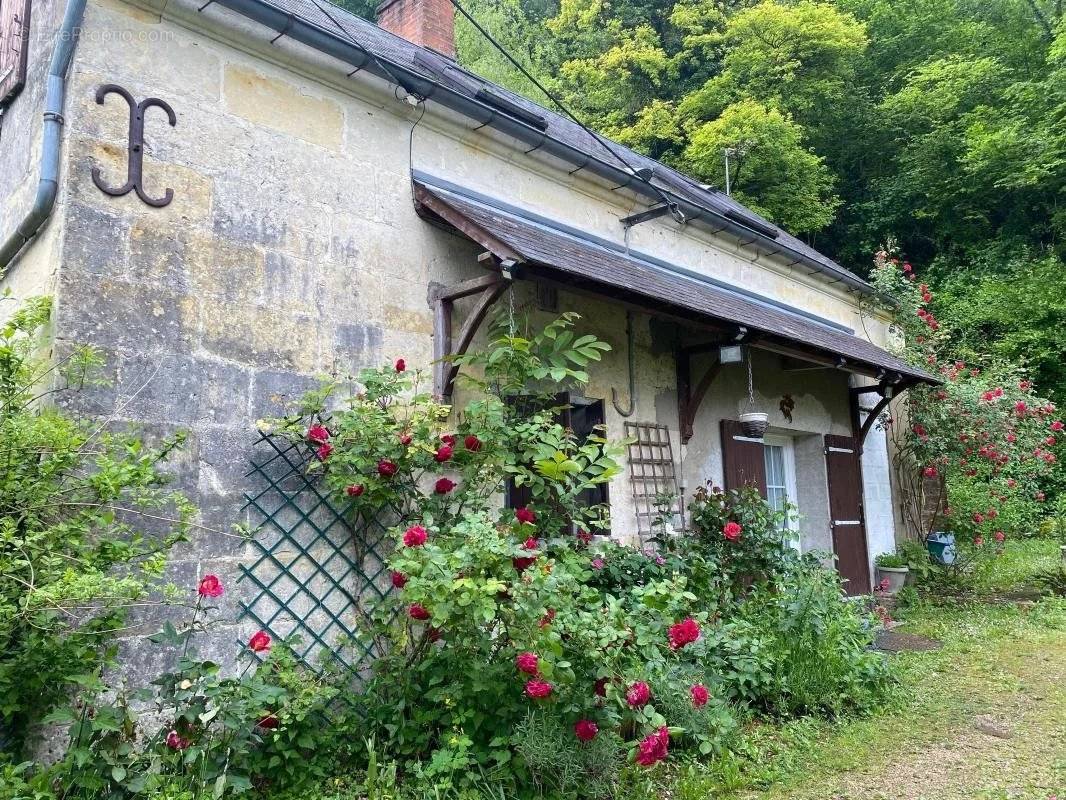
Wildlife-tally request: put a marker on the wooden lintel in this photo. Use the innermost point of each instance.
(488, 289)
(689, 398)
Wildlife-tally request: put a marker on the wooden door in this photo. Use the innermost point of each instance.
(743, 462)
(846, 513)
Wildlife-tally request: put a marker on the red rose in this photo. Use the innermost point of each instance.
(1039, 496)
(527, 663)
(584, 538)
(355, 490)
(260, 642)
(525, 515)
(444, 453)
(930, 472)
(415, 536)
(1024, 385)
(524, 562)
(176, 742)
(586, 730)
(978, 541)
(318, 434)
(538, 689)
(386, 468)
(401, 365)
(653, 748)
(599, 688)
(638, 694)
(1057, 425)
(406, 439)
(269, 722)
(732, 531)
(399, 580)
(978, 518)
(417, 611)
(472, 443)
(547, 619)
(999, 536)
(210, 586)
(443, 486)
(700, 695)
(324, 451)
(1020, 408)
(448, 439)
(684, 632)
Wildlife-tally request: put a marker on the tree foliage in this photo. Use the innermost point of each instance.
(85, 524)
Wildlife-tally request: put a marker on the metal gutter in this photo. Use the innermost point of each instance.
(52, 134)
(349, 52)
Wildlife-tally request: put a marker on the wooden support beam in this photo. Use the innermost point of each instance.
(487, 289)
(888, 390)
(689, 398)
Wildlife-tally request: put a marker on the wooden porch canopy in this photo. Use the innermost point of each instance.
(536, 248)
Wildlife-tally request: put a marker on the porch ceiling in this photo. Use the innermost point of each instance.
(552, 251)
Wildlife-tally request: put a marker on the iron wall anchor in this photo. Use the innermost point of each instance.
(136, 146)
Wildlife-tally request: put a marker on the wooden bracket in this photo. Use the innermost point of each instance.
(889, 390)
(689, 398)
(488, 289)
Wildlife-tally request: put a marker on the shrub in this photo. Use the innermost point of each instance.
(984, 444)
(738, 535)
(198, 731)
(85, 524)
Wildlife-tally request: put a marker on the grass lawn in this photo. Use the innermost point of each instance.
(983, 717)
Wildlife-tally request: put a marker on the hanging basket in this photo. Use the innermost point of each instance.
(754, 424)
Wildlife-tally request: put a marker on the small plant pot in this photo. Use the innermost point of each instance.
(896, 577)
(754, 424)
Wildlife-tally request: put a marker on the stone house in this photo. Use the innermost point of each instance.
(230, 197)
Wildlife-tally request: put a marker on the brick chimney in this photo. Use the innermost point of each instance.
(428, 23)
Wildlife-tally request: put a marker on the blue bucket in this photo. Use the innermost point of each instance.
(941, 547)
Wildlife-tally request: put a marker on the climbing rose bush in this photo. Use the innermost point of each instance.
(983, 447)
(513, 638)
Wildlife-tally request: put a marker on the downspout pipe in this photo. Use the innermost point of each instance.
(55, 96)
(353, 54)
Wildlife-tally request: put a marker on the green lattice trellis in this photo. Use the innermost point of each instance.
(315, 576)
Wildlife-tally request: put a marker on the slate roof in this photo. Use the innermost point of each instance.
(592, 263)
(395, 54)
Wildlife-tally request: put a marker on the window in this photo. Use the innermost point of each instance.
(14, 47)
(781, 481)
(582, 416)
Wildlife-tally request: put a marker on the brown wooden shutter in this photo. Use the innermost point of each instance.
(742, 458)
(14, 47)
(846, 512)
